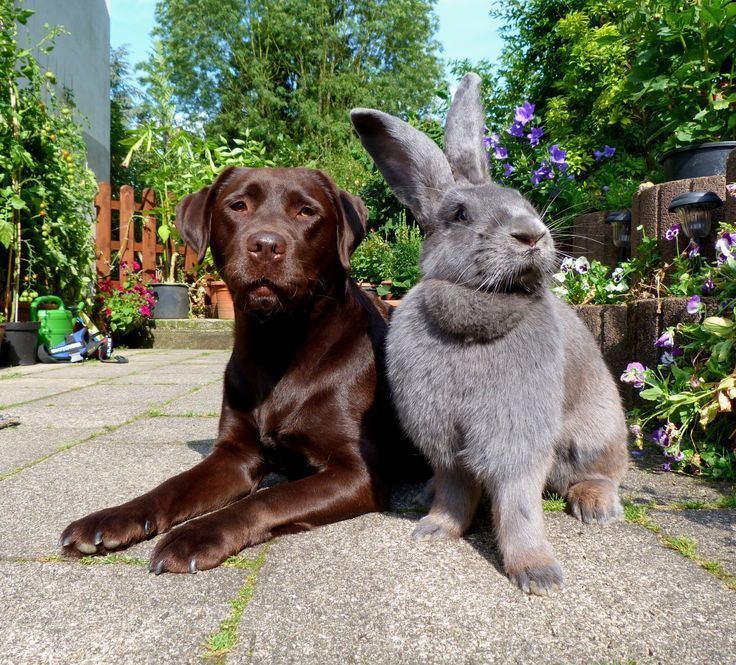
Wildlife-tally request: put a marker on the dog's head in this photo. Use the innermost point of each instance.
(278, 236)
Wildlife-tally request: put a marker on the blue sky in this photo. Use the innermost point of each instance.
(466, 30)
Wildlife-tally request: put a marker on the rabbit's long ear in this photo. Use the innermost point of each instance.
(413, 165)
(464, 147)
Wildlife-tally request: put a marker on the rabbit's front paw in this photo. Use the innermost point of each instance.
(539, 580)
(595, 501)
(432, 528)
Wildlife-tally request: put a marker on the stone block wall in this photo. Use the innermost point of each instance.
(649, 209)
(591, 237)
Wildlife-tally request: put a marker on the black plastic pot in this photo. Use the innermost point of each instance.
(172, 301)
(696, 160)
(19, 345)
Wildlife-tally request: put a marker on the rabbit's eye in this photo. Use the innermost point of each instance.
(460, 215)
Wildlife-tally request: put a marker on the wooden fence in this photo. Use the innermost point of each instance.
(124, 227)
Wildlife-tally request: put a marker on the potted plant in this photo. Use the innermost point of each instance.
(683, 79)
(125, 309)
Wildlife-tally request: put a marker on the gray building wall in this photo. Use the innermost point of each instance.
(81, 62)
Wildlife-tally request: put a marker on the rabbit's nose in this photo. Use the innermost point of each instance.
(530, 238)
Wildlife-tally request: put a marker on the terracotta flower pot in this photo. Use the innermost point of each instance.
(222, 300)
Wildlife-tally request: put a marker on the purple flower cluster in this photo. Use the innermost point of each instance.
(708, 287)
(606, 153)
(731, 190)
(534, 136)
(634, 375)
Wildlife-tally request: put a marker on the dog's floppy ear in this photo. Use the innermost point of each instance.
(414, 167)
(351, 229)
(194, 217)
(464, 147)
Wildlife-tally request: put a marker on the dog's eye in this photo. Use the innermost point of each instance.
(238, 205)
(306, 211)
(460, 215)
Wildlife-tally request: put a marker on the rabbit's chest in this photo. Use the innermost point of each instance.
(465, 371)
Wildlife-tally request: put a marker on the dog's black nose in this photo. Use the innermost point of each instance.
(266, 246)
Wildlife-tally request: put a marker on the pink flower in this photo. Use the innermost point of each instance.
(108, 311)
(136, 265)
(145, 310)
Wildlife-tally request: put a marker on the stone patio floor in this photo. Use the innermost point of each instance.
(659, 587)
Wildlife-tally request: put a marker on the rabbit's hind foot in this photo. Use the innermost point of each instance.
(595, 501)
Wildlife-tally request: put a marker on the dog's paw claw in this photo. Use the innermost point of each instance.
(147, 528)
(193, 566)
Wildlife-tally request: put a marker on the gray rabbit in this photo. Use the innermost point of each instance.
(494, 378)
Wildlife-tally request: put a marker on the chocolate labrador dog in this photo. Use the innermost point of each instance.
(304, 393)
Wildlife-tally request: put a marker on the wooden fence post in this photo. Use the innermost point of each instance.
(127, 228)
(148, 250)
(103, 231)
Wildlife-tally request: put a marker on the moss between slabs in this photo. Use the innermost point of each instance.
(225, 638)
(683, 545)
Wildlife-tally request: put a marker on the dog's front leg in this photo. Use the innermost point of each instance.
(231, 471)
(333, 494)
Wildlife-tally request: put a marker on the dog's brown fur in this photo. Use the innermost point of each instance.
(304, 392)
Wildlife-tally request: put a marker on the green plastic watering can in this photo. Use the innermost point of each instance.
(56, 324)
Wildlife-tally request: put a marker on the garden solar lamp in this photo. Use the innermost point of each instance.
(620, 221)
(695, 210)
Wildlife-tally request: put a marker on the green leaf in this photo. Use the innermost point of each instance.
(651, 394)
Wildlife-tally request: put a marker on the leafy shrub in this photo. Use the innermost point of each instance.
(46, 189)
(377, 259)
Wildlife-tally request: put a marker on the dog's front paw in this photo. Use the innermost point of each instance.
(196, 545)
(432, 528)
(539, 580)
(108, 529)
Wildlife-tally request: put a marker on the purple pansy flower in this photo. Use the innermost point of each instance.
(708, 287)
(666, 467)
(694, 250)
(516, 129)
(558, 157)
(500, 152)
(635, 429)
(679, 456)
(731, 190)
(567, 264)
(633, 375)
(524, 114)
(672, 232)
(661, 437)
(724, 247)
(508, 169)
(694, 305)
(666, 340)
(534, 136)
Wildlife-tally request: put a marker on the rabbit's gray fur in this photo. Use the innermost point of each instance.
(495, 379)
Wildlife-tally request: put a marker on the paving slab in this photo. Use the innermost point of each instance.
(362, 591)
(207, 401)
(40, 501)
(28, 442)
(645, 481)
(98, 406)
(198, 433)
(67, 613)
(714, 531)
